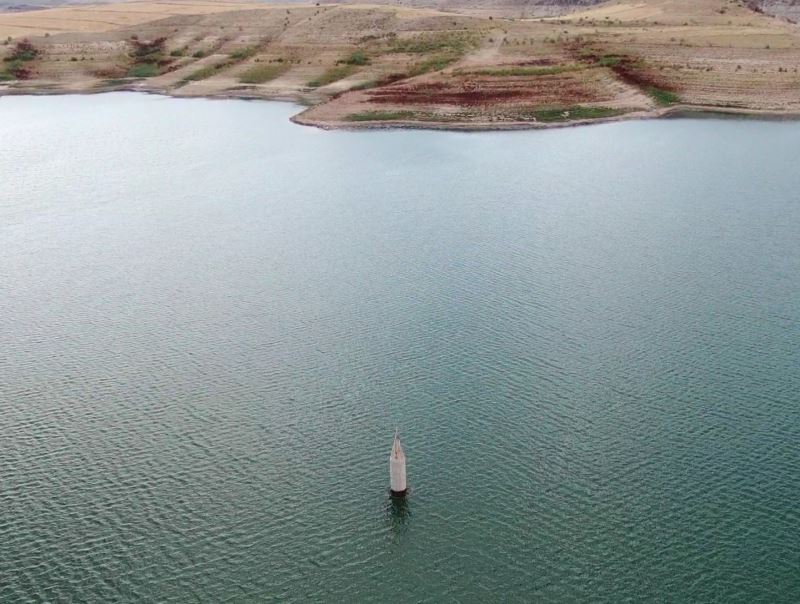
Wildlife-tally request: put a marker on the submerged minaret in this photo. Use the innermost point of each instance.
(397, 469)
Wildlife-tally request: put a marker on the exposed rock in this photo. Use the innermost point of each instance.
(787, 9)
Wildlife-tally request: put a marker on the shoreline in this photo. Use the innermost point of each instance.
(677, 111)
(362, 66)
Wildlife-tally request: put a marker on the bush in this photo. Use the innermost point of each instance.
(16, 70)
(356, 58)
(23, 51)
(609, 61)
(143, 70)
(146, 49)
(243, 53)
(663, 97)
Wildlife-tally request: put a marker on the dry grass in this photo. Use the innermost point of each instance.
(261, 73)
(107, 17)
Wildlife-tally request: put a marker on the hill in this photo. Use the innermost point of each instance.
(369, 65)
(509, 8)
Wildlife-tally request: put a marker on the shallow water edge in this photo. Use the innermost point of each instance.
(675, 111)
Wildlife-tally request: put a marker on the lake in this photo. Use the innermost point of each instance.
(213, 320)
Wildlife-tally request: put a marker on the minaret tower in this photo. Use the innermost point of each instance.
(397, 469)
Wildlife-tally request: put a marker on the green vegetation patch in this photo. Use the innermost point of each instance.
(609, 61)
(16, 70)
(205, 72)
(445, 48)
(380, 116)
(244, 53)
(23, 51)
(260, 73)
(146, 55)
(147, 49)
(143, 70)
(16, 67)
(358, 57)
(333, 74)
(427, 43)
(436, 63)
(566, 114)
(663, 97)
(523, 71)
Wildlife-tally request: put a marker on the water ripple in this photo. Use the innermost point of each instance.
(594, 369)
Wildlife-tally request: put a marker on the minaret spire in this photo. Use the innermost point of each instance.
(397, 468)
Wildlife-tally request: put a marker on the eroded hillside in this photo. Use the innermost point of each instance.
(371, 65)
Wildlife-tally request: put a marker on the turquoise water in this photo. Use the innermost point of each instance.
(213, 320)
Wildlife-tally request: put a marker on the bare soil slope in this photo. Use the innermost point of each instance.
(787, 9)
